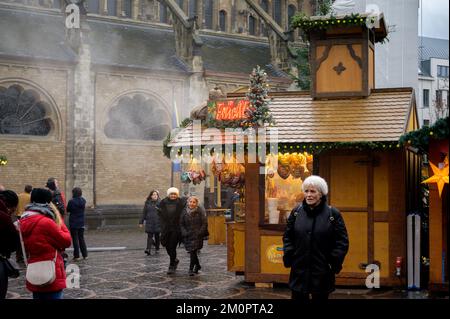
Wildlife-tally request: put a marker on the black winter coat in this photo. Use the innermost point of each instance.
(315, 244)
(9, 237)
(75, 208)
(194, 227)
(151, 218)
(170, 220)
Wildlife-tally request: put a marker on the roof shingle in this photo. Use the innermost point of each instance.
(300, 119)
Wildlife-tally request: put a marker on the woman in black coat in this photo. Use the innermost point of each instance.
(315, 243)
(170, 210)
(9, 237)
(194, 228)
(152, 223)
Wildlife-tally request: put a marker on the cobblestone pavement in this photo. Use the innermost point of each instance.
(130, 273)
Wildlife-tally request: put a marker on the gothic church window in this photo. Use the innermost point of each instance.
(291, 13)
(223, 20)
(93, 6)
(112, 7)
(192, 8)
(163, 18)
(265, 7)
(277, 11)
(127, 8)
(208, 14)
(137, 117)
(23, 113)
(251, 25)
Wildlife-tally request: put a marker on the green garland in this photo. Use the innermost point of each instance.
(421, 138)
(3, 160)
(305, 24)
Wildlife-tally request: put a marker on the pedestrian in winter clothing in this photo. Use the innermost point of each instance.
(58, 197)
(315, 243)
(170, 209)
(9, 238)
(24, 200)
(44, 239)
(194, 228)
(152, 224)
(75, 208)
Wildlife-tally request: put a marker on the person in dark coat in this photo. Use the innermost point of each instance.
(9, 237)
(76, 208)
(169, 210)
(315, 243)
(152, 223)
(58, 197)
(194, 228)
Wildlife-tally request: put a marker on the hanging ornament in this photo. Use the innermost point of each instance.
(440, 176)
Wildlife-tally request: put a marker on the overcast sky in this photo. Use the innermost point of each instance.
(435, 18)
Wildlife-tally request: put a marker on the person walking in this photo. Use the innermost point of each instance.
(45, 236)
(315, 243)
(24, 200)
(9, 238)
(194, 228)
(169, 211)
(151, 219)
(75, 209)
(58, 197)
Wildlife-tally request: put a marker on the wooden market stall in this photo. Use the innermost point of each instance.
(346, 131)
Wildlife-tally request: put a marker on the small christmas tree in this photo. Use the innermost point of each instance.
(258, 112)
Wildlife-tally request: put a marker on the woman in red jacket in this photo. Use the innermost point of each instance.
(44, 236)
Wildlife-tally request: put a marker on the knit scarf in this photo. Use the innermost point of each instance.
(43, 209)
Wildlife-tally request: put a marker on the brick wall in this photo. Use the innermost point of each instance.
(31, 160)
(125, 174)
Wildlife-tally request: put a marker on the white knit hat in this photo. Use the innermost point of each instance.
(173, 190)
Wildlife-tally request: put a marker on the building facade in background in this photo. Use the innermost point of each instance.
(433, 80)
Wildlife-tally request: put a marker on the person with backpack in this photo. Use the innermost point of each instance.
(315, 243)
(58, 197)
(45, 236)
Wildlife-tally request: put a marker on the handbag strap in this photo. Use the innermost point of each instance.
(23, 244)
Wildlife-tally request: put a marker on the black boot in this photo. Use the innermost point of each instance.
(197, 268)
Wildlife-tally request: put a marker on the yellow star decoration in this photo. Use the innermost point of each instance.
(440, 176)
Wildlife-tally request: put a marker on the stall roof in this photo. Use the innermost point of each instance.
(383, 116)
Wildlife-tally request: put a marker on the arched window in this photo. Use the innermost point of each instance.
(137, 117)
(291, 12)
(181, 4)
(93, 6)
(192, 8)
(223, 20)
(112, 7)
(208, 11)
(127, 8)
(265, 7)
(277, 11)
(163, 18)
(23, 113)
(57, 4)
(251, 25)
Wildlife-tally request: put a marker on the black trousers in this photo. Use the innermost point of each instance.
(3, 280)
(153, 238)
(78, 242)
(305, 297)
(194, 259)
